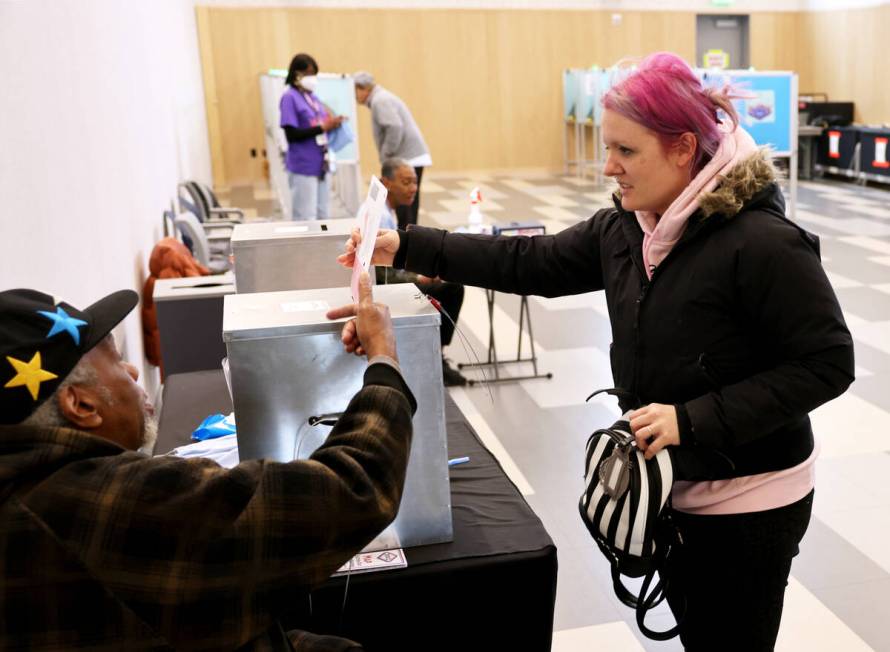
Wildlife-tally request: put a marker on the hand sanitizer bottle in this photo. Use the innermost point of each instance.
(475, 219)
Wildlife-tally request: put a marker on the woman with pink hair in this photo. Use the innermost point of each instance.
(724, 324)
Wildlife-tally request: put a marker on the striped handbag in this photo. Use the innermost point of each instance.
(623, 508)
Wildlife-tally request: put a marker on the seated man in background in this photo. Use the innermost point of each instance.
(400, 181)
(396, 135)
(103, 547)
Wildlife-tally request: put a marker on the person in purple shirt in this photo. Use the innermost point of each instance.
(306, 122)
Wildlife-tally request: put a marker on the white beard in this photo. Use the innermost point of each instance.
(149, 435)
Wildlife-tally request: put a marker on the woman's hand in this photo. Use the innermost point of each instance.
(332, 122)
(654, 427)
(385, 248)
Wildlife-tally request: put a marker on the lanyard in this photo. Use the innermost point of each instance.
(312, 103)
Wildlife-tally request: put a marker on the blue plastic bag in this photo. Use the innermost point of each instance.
(340, 137)
(216, 425)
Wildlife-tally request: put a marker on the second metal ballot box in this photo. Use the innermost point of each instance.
(291, 379)
(272, 256)
(190, 315)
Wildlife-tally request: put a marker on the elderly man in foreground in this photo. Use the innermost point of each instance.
(105, 548)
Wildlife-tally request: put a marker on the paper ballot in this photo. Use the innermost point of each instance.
(366, 562)
(368, 222)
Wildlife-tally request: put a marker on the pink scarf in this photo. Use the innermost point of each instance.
(661, 234)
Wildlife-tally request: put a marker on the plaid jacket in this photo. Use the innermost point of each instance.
(105, 549)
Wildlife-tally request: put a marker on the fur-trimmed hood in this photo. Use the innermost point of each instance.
(736, 189)
(741, 184)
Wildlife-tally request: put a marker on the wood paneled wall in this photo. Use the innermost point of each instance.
(775, 41)
(846, 58)
(484, 85)
(834, 52)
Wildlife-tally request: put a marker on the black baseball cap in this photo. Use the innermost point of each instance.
(42, 340)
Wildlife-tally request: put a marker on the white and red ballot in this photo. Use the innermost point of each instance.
(366, 562)
(368, 222)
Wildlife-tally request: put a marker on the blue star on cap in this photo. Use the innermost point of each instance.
(63, 322)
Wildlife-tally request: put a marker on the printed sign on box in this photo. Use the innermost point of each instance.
(881, 153)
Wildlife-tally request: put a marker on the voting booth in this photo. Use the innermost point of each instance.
(271, 256)
(291, 380)
(583, 90)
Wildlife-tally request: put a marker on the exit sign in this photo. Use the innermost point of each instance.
(722, 3)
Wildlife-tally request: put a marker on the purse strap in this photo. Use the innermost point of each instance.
(620, 393)
(646, 602)
(650, 601)
(650, 596)
(618, 437)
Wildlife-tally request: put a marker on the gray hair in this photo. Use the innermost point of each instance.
(390, 165)
(48, 414)
(363, 79)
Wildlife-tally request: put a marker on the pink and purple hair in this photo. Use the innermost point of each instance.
(664, 95)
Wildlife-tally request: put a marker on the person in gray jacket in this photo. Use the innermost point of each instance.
(396, 135)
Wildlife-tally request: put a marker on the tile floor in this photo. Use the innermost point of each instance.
(839, 594)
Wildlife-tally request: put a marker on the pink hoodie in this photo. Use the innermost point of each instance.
(661, 234)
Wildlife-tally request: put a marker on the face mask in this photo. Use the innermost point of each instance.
(309, 82)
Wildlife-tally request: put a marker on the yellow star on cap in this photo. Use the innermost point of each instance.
(29, 374)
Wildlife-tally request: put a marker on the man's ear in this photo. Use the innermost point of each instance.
(80, 406)
(685, 148)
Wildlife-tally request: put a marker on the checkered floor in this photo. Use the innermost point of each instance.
(839, 594)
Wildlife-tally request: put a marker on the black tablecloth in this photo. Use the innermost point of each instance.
(492, 588)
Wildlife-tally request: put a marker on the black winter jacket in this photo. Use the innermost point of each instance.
(739, 326)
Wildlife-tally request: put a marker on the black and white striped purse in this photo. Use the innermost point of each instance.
(623, 508)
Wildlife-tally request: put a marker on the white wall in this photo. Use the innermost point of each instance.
(101, 114)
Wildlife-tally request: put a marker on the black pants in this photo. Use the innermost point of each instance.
(731, 572)
(408, 214)
(450, 295)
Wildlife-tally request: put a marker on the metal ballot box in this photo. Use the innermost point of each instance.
(291, 379)
(190, 317)
(272, 256)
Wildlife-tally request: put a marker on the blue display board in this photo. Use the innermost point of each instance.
(770, 114)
